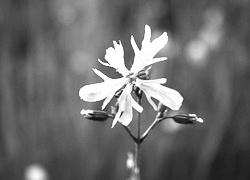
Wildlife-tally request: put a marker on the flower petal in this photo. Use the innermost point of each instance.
(134, 45)
(152, 49)
(117, 116)
(151, 102)
(119, 48)
(147, 37)
(115, 58)
(101, 75)
(99, 91)
(125, 111)
(169, 97)
(149, 49)
(108, 99)
(159, 81)
(103, 63)
(156, 45)
(136, 105)
(127, 114)
(139, 56)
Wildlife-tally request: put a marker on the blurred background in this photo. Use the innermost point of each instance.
(47, 50)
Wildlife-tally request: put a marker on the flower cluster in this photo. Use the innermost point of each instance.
(132, 79)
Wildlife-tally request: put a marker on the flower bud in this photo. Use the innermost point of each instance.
(187, 119)
(137, 91)
(144, 74)
(95, 115)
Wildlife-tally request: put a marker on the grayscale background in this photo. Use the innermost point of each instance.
(47, 51)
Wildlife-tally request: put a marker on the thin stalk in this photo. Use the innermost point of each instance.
(137, 167)
(156, 121)
(131, 134)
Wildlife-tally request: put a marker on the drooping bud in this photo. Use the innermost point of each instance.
(187, 119)
(96, 115)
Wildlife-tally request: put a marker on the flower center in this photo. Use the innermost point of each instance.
(132, 78)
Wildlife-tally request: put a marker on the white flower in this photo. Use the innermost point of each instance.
(152, 88)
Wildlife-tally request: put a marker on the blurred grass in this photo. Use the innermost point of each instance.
(47, 50)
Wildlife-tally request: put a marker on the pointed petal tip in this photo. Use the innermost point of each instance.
(113, 123)
(200, 120)
(83, 111)
(147, 27)
(165, 37)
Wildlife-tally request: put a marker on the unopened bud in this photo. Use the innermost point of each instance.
(137, 91)
(187, 119)
(144, 74)
(95, 115)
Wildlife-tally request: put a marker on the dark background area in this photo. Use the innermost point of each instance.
(47, 51)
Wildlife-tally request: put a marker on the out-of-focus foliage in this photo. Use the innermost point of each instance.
(47, 50)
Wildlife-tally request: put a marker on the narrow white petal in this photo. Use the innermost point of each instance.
(136, 105)
(122, 104)
(118, 48)
(126, 91)
(108, 99)
(151, 102)
(157, 44)
(158, 81)
(149, 50)
(101, 75)
(127, 114)
(137, 52)
(169, 97)
(134, 45)
(117, 116)
(125, 111)
(115, 58)
(95, 92)
(147, 37)
(161, 41)
(140, 58)
(103, 63)
(99, 91)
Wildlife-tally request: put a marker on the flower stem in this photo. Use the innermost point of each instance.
(150, 128)
(137, 167)
(131, 134)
